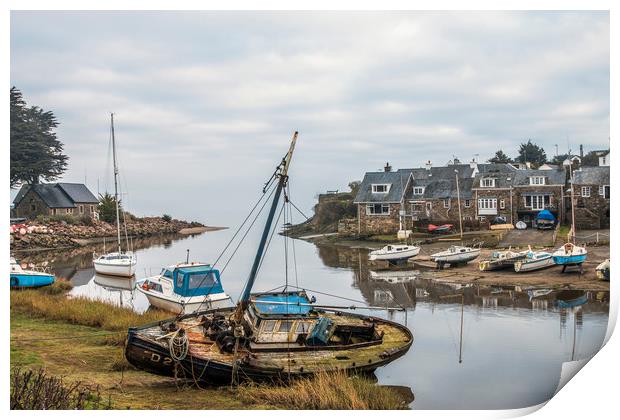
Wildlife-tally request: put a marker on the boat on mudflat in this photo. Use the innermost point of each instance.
(185, 288)
(267, 336)
(394, 253)
(501, 259)
(456, 254)
(602, 270)
(570, 254)
(534, 261)
(20, 277)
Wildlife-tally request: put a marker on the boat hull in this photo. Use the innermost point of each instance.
(119, 270)
(395, 256)
(177, 307)
(532, 265)
(31, 280)
(152, 356)
(460, 258)
(569, 260)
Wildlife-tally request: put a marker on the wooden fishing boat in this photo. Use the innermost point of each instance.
(456, 254)
(20, 277)
(534, 261)
(602, 270)
(267, 336)
(501, 259)
(394, 253)
(185, 288)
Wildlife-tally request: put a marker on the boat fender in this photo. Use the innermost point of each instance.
(145, 285)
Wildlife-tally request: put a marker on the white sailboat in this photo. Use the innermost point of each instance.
(119, 263)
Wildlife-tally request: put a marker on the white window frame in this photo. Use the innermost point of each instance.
(417, 203)
(586, 191)
(419, 189)
(467, 203)
(81, 208)
(385, 209)
(386, 186)
(502, 204)
(487, 203)
(487, 182)
(429, 206)
(537, 180)
(446, 203)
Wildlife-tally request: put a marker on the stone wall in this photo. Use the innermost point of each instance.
(24, 208)
(591, 212)
(379, 224)
(499, 194)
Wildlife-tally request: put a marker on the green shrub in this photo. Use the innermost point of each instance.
(167, 218)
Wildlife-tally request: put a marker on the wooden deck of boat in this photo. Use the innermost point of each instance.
(394, 339)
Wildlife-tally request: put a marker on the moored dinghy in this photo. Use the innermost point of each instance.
(394, 253)
(602, 270)
(267, 336)
(534, 261)
(185, 288)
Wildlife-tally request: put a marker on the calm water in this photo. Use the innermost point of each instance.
(511, 351)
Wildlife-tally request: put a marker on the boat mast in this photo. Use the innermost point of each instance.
(282, 174)
(572, 201)
(458, 200)
(118, 220)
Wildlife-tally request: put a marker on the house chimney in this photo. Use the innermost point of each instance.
(429, 165)
(387, 167)
(473, 164)
(581, 151)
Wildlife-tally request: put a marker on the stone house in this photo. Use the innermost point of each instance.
(492, 192)
(380, 201)
(535, 190)
(592, 190)
(433, 196)
(54, 199)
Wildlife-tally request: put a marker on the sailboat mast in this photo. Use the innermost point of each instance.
(118, 220)
(283, 176)
(572, 201)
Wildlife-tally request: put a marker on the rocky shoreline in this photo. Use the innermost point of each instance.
(60, 234)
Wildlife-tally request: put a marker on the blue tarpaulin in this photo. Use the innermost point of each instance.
(277, 304)
(545, 215)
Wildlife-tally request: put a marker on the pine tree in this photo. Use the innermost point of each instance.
(500, 157)
(531, 152)
(36, 153)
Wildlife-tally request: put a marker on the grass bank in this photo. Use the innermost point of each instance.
(64, 336)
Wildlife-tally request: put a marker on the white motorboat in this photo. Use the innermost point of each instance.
(185, 288)
(534, 261)
(570, 254)
(21, 277)
(456, 254)
(394, 253)
(115, 263)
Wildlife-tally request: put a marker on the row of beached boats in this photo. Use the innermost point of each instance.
(521, 261)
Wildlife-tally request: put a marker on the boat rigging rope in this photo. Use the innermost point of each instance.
(178, 344)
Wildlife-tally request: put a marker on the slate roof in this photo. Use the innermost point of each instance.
(554, 176)
(593, 175)
(503, 173)
(397, 180)
(440, 182)
(59, 195)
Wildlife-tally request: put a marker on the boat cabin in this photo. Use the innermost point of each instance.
(194, 280)
(290, 317)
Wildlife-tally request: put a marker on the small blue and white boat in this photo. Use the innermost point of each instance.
(570, 254)
(28, 278)
(186, 288)
(571, 298)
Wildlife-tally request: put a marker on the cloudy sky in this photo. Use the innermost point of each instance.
(206, 102)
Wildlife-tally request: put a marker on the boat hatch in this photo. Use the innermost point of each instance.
(279, 304)
(197, 281)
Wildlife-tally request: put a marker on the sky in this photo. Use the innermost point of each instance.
(205, 103)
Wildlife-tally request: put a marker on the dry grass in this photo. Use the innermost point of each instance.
(59, 287)
(82, 311)
(325, 391)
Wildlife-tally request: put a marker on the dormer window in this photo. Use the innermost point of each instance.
(380, 188)
(487, 182)
(418, 190)
(537, 180)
